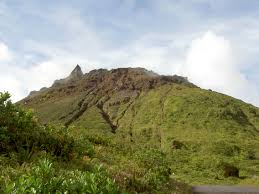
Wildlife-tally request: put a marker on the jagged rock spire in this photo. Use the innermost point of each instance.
(76, 73)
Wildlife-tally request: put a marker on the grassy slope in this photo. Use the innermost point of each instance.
(212, 127)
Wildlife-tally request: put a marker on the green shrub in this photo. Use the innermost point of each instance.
(157, 170)
(20, 132)
(225, 148)
(18, 128)
(62, 144)
(45, 178)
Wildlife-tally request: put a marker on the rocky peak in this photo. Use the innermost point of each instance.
(76, 73)
(120, 79)
(136, 79)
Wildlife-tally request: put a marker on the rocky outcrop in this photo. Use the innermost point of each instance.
(95, 86)
(230, 171)
(35, 93)
(76, 74)
(104, 82)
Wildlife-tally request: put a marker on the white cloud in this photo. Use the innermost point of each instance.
(45, 73)
(12, 85)
(4, 52)
(19, 81)
(210, 63)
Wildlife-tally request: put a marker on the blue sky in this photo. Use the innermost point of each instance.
(214, 43)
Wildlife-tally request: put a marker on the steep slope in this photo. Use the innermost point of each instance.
(136, 98)
(193, 126)
(108, 93)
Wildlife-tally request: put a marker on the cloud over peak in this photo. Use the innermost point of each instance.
(210, 63)
(214, 44)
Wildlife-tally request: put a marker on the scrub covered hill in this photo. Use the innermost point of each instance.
(139, 120)
(45, 159)
(50, 159)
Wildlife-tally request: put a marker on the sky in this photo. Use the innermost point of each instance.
(213, 43)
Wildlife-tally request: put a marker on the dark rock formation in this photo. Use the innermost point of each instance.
(177, 144)
(104, 82)
(230, 171)
(76, 74)
(35, 93)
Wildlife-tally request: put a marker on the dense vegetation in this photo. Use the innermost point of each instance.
(53, 159)
(41, 159)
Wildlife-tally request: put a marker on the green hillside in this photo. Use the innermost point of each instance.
(149, 130)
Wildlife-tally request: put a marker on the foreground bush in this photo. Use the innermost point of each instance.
(43, 177)
(21, 133)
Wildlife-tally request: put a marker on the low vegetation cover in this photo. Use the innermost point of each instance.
(150, 133)
(126, 131)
